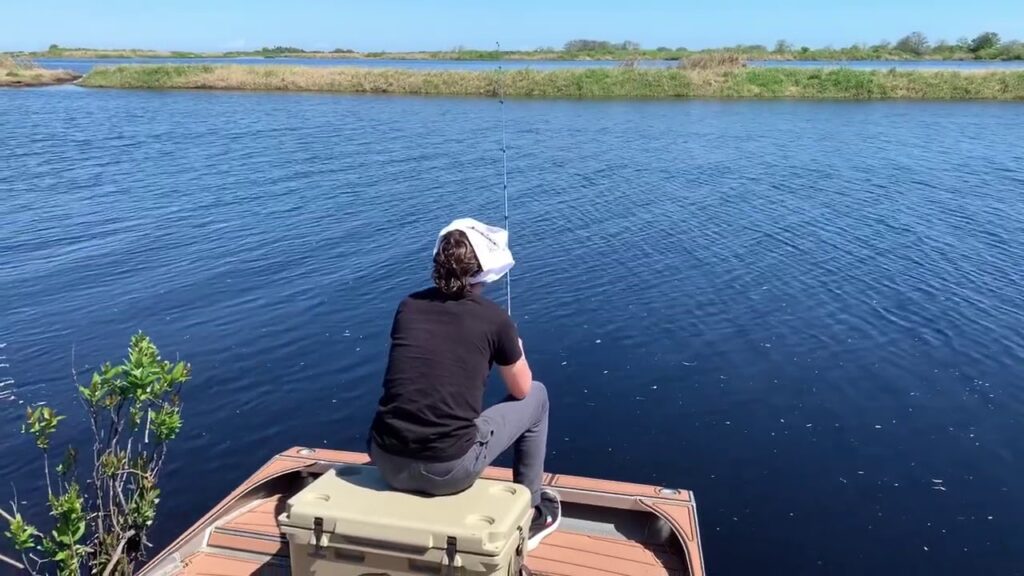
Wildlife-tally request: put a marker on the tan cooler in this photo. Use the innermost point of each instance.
(349, 523)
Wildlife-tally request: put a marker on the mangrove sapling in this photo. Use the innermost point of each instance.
(100, 526)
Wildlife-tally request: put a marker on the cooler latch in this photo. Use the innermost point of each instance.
(318, 534)
(450, 550)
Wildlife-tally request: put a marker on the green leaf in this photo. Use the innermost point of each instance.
(166, 423)
(21, 534)
(41, 422)
(179, 373)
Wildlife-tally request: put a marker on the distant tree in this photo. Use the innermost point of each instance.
(805, 49)
(54, 48)
(281, 50)
(783, 47)
(630, 46)
(942, 47)
(914, 43)
(343, 51)
(984, 41)
(1012, 50)
(588, 46)
(882, 46)
(963, 44)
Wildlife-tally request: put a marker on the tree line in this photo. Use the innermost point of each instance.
(984, 46)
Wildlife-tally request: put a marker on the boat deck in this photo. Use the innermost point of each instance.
(245, 539)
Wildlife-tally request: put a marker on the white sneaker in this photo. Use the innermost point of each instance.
(546, 518)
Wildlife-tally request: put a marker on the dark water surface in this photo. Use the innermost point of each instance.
(810, 313)
(83, 65)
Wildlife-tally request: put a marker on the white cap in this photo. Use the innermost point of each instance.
(490, 244)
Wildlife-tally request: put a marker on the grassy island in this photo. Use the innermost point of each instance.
(16, 72)
(694, 81)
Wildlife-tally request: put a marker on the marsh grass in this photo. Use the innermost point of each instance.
(713, 61)
(579, 83)
(18, 71)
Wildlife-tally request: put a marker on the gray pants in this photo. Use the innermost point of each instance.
(519, 423)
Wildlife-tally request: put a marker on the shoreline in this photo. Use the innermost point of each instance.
(30, 80)
(17, 73)
(609, 83)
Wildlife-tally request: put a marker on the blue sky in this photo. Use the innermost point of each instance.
(518, 24)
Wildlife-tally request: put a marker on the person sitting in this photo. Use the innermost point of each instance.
(430, 434)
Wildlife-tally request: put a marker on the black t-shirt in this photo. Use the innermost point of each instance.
(442, 349)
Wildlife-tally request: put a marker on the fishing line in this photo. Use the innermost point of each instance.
(504, 171)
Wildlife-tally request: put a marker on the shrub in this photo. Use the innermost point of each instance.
(134, 410)
(713, 61)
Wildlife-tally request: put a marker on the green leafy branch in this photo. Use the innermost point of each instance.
(134, 410)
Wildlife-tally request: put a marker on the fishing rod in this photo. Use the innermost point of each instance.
(504, 170)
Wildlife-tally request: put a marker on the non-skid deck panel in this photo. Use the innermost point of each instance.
(569, 567)
(568, 554)
(260, 518)
(213, 564)
(248, 543)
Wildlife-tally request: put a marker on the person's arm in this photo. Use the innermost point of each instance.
(511, 360)
(518, 377)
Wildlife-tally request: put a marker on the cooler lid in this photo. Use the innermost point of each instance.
(354, 502)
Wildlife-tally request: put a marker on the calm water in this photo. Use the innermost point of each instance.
(810, 313)
(84, 65)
